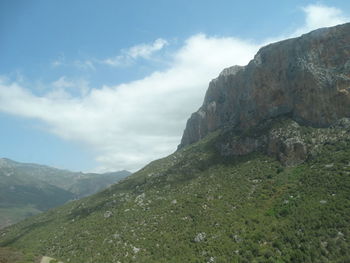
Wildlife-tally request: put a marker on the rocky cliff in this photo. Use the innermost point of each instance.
(306, 78)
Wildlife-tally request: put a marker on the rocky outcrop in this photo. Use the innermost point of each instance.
(284, 139)
(306, 78)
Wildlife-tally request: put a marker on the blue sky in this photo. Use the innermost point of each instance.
(108, 85)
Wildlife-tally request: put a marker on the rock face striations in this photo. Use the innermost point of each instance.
(306, 78)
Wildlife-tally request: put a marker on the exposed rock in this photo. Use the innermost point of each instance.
(136, 250)
(139, 200)
(306, 78)
(283, 139)
(200, 237)
(236, 238)
(211, 259)
(107, 214)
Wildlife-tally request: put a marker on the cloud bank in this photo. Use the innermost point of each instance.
(131, 124)
(128, 125)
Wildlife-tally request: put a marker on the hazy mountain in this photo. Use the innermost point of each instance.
(28, 189)
(87, 184)
(22, 195)
(262, 174)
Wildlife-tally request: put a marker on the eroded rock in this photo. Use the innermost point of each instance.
(307, 78)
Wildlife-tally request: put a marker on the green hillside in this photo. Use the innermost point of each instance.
(58, 177)
(29, 189)
(198, 206)
(78, 183)
(21, 197)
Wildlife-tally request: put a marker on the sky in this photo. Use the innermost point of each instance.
(106, 85)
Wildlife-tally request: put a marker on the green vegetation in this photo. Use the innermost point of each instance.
(197, 206)
(10, 255)
(14, 214)
(22, 196)
(28, 189)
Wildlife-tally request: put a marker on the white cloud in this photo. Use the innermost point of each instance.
(128, 125)
(318, 16)
(131, 124)
(64, 87)
(62, 82)
(128, 56)
(145, 50)
(81, 64)
(117, 61)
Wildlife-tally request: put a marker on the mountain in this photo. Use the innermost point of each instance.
(24, 196)
(261, 175)
(307, 78)
(80, 184)
(88, 184)
(28, 189)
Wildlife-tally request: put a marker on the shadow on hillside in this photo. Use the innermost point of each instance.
(25, 231)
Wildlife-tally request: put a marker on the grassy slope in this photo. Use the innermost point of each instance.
(23, 196)
(195, 206)
(11, 215)
(10, 255)
(28, 189)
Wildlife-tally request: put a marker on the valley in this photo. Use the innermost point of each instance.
(29, 189)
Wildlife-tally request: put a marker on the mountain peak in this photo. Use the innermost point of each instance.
(5, 162)
(307, 78)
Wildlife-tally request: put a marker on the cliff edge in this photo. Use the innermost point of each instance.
(306, 78)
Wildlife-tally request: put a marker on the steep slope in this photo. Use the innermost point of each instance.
(262, 174)
(307, 78)
(210, 208)
(28, 189)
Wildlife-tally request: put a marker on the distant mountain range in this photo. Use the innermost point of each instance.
(27, 189)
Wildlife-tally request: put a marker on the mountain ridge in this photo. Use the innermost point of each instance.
(284, 78)
(27, 189)
(47, 173)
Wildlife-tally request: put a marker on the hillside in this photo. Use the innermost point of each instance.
(78, 183)
(212, 209)
(262, 174)
(22, 196)
(28, 189)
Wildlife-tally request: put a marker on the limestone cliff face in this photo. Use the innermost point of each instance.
(306, 78)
